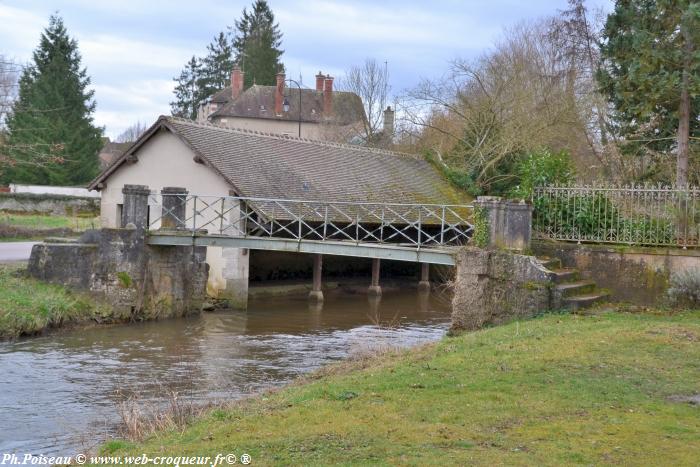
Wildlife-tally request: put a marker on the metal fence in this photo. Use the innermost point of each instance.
(634, 215)
(417, 225)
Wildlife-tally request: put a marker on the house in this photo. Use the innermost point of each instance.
(110, 152)
(326, 114)
(207, 159)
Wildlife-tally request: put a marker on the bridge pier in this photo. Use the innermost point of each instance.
(375, 289)
(316, 293)
(424, 284)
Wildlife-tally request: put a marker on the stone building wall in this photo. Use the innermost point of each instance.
(57, 205)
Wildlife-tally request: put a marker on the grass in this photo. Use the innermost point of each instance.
(28, 306)
(47, 222)
(555, 390)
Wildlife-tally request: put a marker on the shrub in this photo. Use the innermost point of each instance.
(685, 288)
(542, 168)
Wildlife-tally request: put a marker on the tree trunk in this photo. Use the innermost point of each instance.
(684, 117)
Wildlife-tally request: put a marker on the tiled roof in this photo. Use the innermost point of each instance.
(272, 166)
(259, 102)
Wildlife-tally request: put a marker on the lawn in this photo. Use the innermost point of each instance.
(28, 306)
(607, 388)
(46, 222)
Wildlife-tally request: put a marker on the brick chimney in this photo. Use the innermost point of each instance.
(279, 94)
(236, 82)
(320, 79)
(389, 122)
(328, 95)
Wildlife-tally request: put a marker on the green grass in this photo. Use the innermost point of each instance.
(555, 390)
(46, 222)
(28, 306)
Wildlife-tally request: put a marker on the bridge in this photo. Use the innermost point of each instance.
(423, 233)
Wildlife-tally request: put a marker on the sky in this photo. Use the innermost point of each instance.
(132, 49)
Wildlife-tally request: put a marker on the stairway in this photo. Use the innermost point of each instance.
(571, 292)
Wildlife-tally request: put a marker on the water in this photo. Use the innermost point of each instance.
(59, 393)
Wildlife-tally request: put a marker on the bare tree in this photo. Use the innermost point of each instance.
(370, 81)
(9, 77)
(132, 133)
(485, 112)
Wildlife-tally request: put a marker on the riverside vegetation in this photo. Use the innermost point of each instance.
(611, 387)
(28, 306)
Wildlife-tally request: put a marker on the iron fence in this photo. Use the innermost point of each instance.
(633, 215)
(417, 225)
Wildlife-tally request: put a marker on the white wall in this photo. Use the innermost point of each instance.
(53, 190)
(165, 161)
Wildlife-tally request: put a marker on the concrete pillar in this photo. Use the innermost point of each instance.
(424, 284)
(135, 207)
(316, 293)
(375, 289)
(509, 222)
(174, 201)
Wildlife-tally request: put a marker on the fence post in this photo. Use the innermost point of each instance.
(174, 202)
(510, 222)
(135, 208)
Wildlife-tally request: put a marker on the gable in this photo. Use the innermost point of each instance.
(165, 160)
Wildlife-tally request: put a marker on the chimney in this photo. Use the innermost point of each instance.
(388, 122)
(236, 82)
(328, 95)
(320, 79)
(279, 94)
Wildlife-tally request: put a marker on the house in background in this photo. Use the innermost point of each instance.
(207, 159)
(326, 114)
(110, 152)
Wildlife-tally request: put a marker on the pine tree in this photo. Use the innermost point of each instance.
(257, 44)
(651, 73)
(52, 136)
(188, 91)
(217, 65)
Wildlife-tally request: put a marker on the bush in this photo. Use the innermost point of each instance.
(685, 288)
(542, 168)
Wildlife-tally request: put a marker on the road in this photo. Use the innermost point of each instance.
(15, 251)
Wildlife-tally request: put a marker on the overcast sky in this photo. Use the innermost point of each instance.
(133, 48)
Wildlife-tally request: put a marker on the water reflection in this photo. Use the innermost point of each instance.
(56, 389)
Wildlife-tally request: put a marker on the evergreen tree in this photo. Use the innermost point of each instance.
(651, 73)
(257, 41)
(188, 91)
(52, 136)
(217, 65)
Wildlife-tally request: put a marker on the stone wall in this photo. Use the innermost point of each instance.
(56, 205)
(116, 265)
(631, 274)
(493, 286)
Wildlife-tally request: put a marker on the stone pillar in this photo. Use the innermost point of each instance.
(316, 293)
(174, 208)
(135, 207)
(509, 222)
(424, 284)
(375, 289)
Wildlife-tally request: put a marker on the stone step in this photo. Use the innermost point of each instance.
(576, 288)
(580, 302)
(550, 263)
(564, 275)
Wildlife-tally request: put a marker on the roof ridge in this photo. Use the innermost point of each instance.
(318, 142)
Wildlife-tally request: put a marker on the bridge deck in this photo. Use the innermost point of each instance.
(433, 255)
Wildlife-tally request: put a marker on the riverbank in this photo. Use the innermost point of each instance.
(607, 388)
(29, 307)
(18, 226)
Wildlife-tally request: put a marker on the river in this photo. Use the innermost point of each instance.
(59, 393)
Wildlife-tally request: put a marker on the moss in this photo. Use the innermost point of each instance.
(124, 280)
(481, 235)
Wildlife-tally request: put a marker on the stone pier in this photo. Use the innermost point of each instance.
(375, 289)
(139, 281)
(316, 294)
